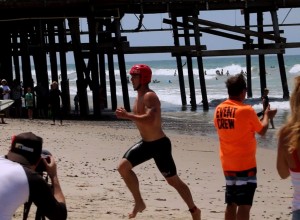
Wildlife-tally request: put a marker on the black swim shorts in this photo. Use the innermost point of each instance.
(160, 150)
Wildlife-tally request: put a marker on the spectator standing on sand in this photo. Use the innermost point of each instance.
(236, 124)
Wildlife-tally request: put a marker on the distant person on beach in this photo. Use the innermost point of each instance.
(154, 143)
(16, 95)
(20, 183)
(1, 93)
(29, 103)
(76, 103)
(6, 94)
(41, 100)
(265, 101)
(2, 112)
(6, 89)
(236, 124)
(54, 102)
(288, 154)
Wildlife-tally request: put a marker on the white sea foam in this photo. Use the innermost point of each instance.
(295, 69)
(168, 88)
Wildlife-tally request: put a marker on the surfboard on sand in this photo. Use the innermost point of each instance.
(5, 103)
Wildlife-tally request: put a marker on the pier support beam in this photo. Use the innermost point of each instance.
(52, 53)
(248, 56)
(200, 67)
(101, 61)
(261, 57)
(25, 58)
(280, 58)
(189, 63)
(122, 66)
(106, 37)
(179, 61)
(81, 82)
(5, 53)
(16, 62)
(37, 37)
(94, 66)
(63, 66)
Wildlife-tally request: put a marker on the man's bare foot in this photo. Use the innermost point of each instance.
(137, 208)
(196, 213)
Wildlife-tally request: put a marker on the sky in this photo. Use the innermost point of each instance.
(232, 17)
(229, 17)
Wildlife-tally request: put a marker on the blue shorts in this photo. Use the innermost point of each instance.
(240, 186)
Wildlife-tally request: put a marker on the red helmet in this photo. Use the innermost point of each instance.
(144, 71)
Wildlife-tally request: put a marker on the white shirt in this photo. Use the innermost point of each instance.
(6, 91)
(14, 189)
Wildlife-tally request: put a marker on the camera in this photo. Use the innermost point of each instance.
(41, 166)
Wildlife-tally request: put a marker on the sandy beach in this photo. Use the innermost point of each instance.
(88, 153)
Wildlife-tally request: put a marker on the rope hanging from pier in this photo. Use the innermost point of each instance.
(141, 17)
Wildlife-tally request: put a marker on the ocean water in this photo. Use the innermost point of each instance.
(164, 71)
(199, 121)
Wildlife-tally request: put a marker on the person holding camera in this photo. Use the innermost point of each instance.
(21, 183)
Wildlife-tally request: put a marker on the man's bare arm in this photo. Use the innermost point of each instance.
(152, 106)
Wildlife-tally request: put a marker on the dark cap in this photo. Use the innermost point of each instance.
(26, 148)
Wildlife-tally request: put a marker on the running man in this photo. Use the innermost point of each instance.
(237, 124)
(154, 144)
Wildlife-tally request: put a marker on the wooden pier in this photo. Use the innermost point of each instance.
(33, 29)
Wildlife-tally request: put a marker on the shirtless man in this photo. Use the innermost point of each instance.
(154, 144)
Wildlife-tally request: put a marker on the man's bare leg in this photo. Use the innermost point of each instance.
(243, 212)
(186, 195)
(230, 212)
(131, 181)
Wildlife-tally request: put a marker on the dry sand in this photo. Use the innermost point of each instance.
(88, 153)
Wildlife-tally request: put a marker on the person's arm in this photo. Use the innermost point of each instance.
(282, 164)
(152, 105)
(52, 172)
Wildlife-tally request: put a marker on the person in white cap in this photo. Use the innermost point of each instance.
(6, 94)
(6, 89)
(21, 183)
